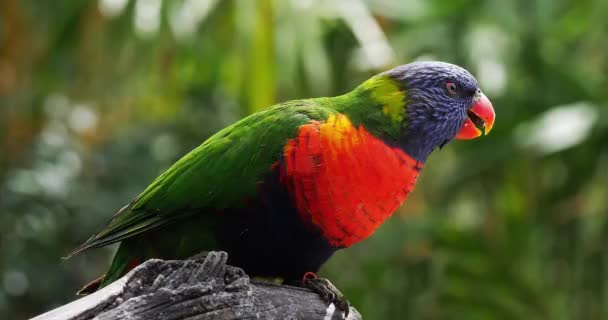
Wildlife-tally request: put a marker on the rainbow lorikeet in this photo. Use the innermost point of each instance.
(282, 189)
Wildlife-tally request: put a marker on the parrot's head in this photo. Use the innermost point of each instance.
(441, 102)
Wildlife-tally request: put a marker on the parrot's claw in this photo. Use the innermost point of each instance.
(328, 292)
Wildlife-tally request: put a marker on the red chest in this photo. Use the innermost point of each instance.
(344, 180)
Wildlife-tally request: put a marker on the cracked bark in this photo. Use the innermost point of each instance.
(203, 287)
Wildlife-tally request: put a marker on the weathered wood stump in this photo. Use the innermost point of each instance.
(199, 288)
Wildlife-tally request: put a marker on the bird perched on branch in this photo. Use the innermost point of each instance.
(282, 189)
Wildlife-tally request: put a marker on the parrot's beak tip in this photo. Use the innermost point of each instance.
(480, 119)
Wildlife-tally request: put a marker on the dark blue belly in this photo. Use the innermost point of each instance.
(266, 237)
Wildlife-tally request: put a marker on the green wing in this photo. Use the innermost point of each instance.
(218, 174)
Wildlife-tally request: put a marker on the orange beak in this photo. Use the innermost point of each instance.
(480, 119)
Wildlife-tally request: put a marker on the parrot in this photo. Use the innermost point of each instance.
(283, 189)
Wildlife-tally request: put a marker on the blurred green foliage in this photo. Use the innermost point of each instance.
(99, 97)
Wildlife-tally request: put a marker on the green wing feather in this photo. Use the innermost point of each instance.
(218, 174)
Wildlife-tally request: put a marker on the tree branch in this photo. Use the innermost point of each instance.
(202, 287)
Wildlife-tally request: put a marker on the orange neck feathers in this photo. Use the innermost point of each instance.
(344, 180)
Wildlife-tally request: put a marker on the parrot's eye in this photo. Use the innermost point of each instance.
(452, 88)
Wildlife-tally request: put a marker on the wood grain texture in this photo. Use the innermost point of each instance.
(202, 287)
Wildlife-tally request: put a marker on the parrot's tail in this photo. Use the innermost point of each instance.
(123, 262)
(90, 287)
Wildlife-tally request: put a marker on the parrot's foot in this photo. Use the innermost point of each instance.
(328, 292)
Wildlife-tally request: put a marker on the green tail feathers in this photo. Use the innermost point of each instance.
(157, 244)
(123, 262)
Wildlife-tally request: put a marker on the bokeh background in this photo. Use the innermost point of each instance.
(98, 97)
